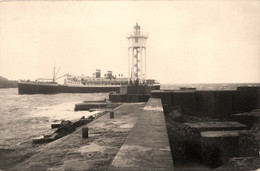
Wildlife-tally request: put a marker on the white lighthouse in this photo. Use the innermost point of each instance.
(137, 56)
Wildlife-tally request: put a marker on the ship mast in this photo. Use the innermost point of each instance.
(53, 79)
(55, 74)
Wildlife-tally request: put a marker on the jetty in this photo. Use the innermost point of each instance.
(109, 142)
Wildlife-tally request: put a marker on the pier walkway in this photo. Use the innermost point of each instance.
(135, 139)
(147, 145)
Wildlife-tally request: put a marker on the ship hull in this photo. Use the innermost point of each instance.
(33, 88)
(30, 88)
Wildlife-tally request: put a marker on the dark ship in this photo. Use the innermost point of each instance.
(78, 84)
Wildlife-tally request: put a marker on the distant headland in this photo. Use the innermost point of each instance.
(5, 83)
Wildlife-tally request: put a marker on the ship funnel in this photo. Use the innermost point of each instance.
(109, 74)
(98, 73)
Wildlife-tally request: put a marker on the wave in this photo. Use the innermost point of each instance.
(24, 117)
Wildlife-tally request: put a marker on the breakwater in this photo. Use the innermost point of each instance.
(213, 128)
(211, 103)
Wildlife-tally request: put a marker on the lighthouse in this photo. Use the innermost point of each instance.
(137, 56)
(139, 88)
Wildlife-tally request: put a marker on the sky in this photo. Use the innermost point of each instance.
(189, 41)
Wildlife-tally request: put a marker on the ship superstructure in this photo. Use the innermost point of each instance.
(96, 79)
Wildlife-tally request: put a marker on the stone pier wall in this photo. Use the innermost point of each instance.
(213, 103)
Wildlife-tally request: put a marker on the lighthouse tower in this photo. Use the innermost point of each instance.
(137, 56)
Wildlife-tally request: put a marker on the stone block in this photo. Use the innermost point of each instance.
(87, 106)
(129, 98)
(241, 101)
(254, 94)
(187, 100)
(198, 127)
(215, 104)
(117, 97)
(249, 142)
(206, 103)
(218, 146)
(132, 89)
(165, 96)
(241, 163)
(251, 119)
(194, 129)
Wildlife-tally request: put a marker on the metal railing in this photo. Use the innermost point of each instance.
(133, 34)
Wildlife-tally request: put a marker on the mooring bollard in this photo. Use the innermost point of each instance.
(111, 114)
(85, 132)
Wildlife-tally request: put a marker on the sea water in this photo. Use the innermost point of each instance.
(25, 117)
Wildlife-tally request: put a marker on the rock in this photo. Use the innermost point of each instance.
(45, 139)
(65, 122)
(42, 140)
(176, 116)
(81, 122)
(66, 128)
(91, 118)
(55, 125)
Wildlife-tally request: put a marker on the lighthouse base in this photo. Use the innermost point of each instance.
(133, 93)
(136, 89)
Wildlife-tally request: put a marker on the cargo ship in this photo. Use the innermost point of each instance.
(78, 84)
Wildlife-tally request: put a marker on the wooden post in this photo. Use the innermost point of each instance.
(111, 114)
(85, 132)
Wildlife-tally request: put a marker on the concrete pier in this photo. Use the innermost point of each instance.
(73, 152)
(147, 146)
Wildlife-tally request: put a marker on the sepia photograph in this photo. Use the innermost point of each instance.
(129, 85)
